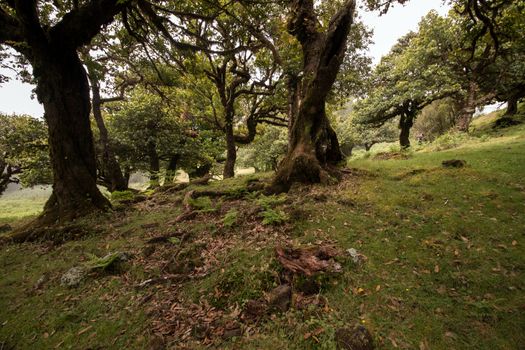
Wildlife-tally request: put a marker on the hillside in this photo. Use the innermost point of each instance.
(423, 256)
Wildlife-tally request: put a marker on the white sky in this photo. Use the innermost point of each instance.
(15, 97)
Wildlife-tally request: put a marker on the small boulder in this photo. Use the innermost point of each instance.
(357, 338)
(73, 276)
(279, 298)
(454, 163)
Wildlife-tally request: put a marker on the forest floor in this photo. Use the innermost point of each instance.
(440, 261)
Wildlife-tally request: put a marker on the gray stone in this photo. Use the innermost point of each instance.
(73, 276)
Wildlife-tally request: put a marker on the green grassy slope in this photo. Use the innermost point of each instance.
(445, 263)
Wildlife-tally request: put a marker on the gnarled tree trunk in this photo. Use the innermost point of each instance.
(113, 174)
(62, 87)
(314, 148)
(468, 109)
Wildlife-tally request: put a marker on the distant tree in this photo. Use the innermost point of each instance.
(267, 149)
(404, 82)
(150, 136)
(436, 119)
(24, 153)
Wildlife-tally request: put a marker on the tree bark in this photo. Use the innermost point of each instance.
(171, 170)
(62, 87)
(468, 109)
(314, 149)
(231, 150)
(113, 174)
(154, 164)
(512, 106)
(406, 122)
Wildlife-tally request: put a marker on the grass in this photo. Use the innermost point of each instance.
(22, 204)
(445, 262)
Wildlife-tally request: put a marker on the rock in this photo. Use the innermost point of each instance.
(279, 298)
(5, 228)
(357, 257)
(73, 276)
(357, 338)
(454, 163)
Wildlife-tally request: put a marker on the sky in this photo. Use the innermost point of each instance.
(15, 96)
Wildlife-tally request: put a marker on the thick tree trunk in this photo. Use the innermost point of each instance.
(171, 170)
(405, 124)
(62, 87)
(313, 149)
(512, 106)
(154, 164)
(231, 151)
(113, 173)
(468, 109)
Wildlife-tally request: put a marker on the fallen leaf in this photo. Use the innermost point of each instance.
(436, 268)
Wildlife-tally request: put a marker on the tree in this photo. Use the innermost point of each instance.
(314, 147)
(267, 149)
(405, 81)
(436, 119)
(351, 133)
(152, 136)
(24, 156)
(48, 35)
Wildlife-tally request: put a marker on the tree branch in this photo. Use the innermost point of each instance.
(80, 25)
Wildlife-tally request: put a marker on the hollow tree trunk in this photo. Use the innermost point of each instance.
(171, 170)
(231, 151)
(154, 164)
(116, 180)
(405, 124)
(313, 146)
(62, 87)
